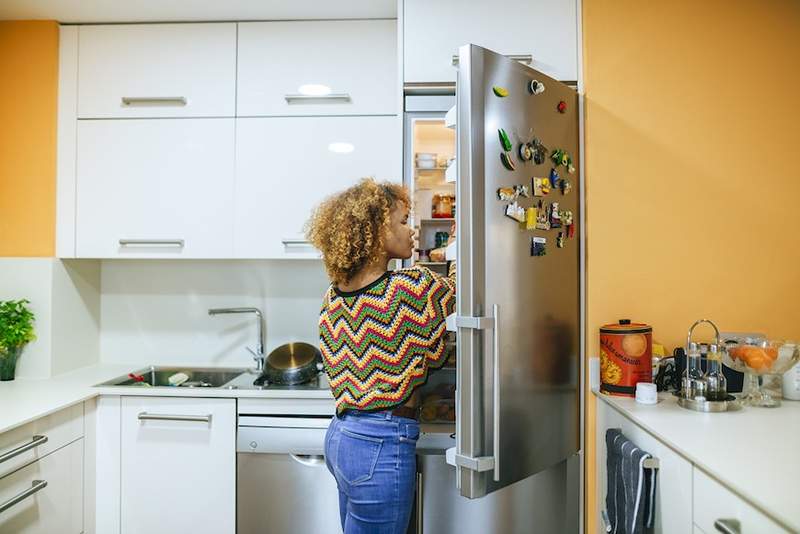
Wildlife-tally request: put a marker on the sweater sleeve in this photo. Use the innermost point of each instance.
(441, 303)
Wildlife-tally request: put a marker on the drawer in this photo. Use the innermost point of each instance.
(297, 439)
(714, 502)
(157, 70)
(355, 59)
(45, 509)
(59, 428)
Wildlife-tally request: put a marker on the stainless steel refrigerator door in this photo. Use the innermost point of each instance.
(518, 393)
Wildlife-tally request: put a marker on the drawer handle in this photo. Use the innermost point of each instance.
(524, 58)
(296, 242)
(309, 460)
(179, 243)
(294, 97)
(36, 485)
(33, 443)
(144, 416)
(728, 526)
(154, 101)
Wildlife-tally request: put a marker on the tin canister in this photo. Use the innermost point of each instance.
(626, 355)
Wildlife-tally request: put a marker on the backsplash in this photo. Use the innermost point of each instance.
(156, 312)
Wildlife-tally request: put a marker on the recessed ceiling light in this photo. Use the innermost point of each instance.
(341, 148)
(314, 89)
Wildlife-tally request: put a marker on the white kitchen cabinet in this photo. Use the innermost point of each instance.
(433, 31)
(286, 166)
(157, 70)
(49, 492)
(714, 503)
(674, 495)
(178, 465)
(355, 59)
(155, 188)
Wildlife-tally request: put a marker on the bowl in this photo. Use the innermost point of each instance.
(759, 358)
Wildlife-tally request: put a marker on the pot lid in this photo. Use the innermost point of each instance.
(625, 326)
(293, 356)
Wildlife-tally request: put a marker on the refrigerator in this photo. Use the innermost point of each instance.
(511, 462)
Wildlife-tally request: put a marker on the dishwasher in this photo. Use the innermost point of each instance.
(283, 485)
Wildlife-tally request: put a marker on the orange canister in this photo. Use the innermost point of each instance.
(626, 355)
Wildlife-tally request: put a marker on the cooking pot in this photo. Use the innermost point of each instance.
(292, 364)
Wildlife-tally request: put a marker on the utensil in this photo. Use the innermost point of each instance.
(292, 364)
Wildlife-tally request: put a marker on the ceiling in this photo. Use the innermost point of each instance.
(75, 11)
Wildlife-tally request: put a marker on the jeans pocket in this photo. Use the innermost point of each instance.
(356, 456)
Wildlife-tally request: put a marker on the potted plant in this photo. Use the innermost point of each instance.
(16, 331)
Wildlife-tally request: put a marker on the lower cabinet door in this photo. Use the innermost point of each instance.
(178, 465)
(45, 497)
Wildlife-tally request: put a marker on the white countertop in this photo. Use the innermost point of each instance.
(24, 400)
(753, 451)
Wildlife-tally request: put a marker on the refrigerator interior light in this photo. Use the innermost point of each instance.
(314, 89)
(341, 148)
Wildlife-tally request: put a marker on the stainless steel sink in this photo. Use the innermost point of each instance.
(203, 377)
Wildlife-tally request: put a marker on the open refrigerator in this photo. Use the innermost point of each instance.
(500, 423)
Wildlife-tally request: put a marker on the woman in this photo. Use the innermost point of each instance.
(380, 334)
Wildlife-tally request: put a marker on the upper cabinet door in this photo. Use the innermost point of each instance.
(155, 188)
(286, 166)
(157, 70)
(317, 68)
(544, 29)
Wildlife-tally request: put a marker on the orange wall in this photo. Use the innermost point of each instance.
(28, 108)
(693, 183)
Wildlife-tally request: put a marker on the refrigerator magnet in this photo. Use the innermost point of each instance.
(541, 186)
(525, 152)
(566, 217)
(539, 151)
(538, 246)
(554, 178)
(530, 219)
(562, 107)
(555, 216)
(571, 231)
(566, 186)
(535, 87)
(507, 162)
(522, 190)
(542, 217)
(562, 157)
(507, 194)
(501, 92)
(516, 212)
(505, 142)
(560, 240)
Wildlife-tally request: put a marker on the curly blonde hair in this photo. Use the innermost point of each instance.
(349, 227)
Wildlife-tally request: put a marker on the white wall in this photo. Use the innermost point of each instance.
(156, 311)
(65, 298)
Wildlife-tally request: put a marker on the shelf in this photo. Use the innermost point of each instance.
(442, 220)
(431, 263)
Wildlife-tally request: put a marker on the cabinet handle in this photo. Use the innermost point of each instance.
(420, 502)
(524, 58)
(179, 243)
(305, 98)
(33, 443)
(309, 460)
(36, 485)
(154, 101)
(144, 416)
(728, 526)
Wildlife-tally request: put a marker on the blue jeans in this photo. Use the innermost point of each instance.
(372, 455)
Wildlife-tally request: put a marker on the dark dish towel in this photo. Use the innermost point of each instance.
(631, 490)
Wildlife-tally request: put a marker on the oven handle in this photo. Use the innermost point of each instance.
(308, 460)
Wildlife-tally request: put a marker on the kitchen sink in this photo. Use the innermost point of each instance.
(203, 377)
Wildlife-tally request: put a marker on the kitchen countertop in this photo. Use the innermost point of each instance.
(24, 400)
(753, 451)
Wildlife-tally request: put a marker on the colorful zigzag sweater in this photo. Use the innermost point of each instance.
(379, 342)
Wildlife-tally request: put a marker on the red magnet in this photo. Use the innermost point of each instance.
(562, 107)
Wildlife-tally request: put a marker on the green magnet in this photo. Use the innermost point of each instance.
(507, 163)
(502, 92)
(504, 140)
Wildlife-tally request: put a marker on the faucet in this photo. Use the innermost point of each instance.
(258, 354)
